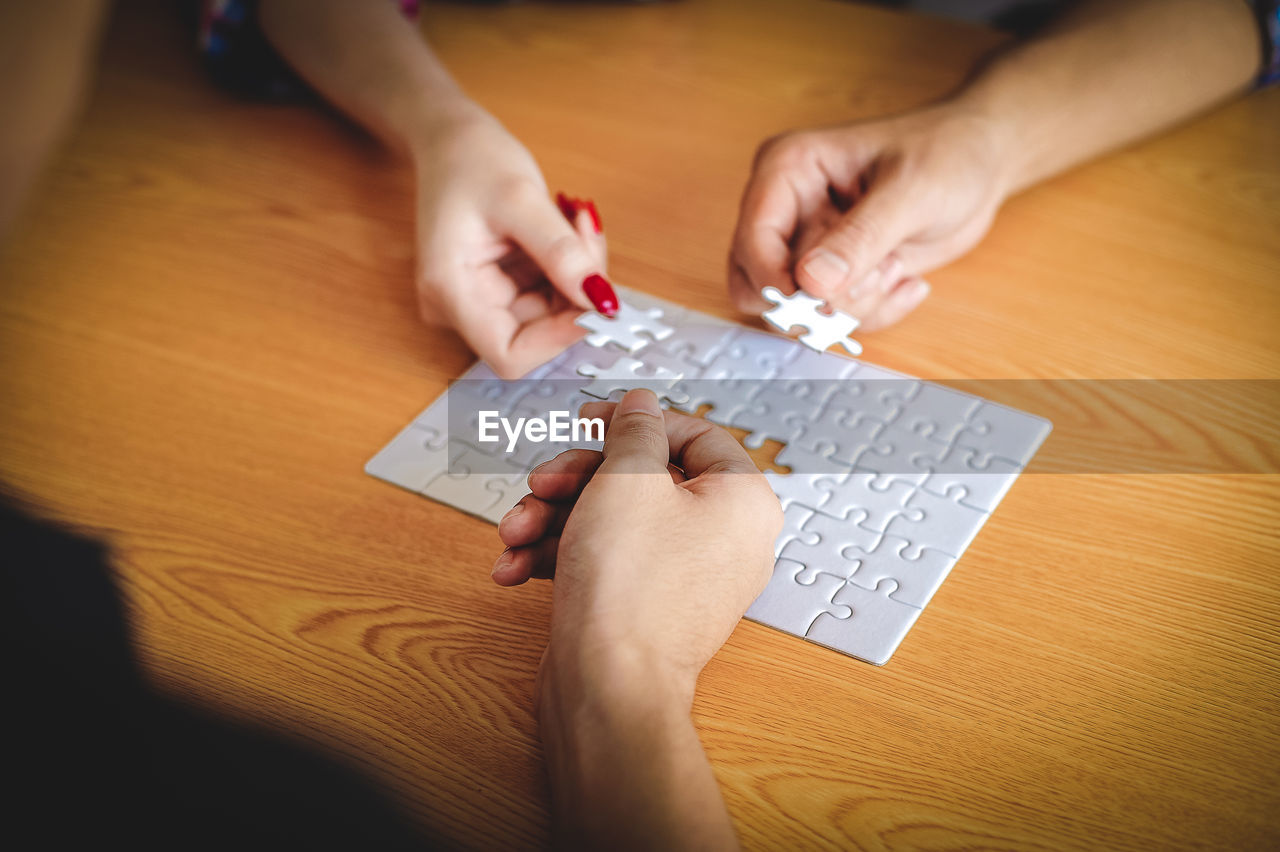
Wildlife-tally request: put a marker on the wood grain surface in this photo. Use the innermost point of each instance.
(207, 327)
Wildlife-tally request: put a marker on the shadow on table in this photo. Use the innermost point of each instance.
(95, 755)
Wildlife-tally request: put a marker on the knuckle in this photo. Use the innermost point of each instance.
(766, 149)
(507, 368)
(516, 191)
(639, 429)
(856, 235)
(785, 151)
(563, 254)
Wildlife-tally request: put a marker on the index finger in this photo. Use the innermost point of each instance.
(697, 446)
(761, 252)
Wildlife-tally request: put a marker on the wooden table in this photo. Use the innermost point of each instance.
(208, 327)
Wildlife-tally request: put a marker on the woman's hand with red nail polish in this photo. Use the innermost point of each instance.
(497, 260)
(854, 214)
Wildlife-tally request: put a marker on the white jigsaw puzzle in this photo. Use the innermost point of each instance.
(891, 477)
(630, 329)
(801, 309)
(627, 373)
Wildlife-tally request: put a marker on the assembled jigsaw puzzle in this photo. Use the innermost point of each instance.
(891, 477)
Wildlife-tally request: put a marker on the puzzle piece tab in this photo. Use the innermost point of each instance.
(625, 374)
(911, 581)
(630, 329)
(792, 604)
(877, 624)
(821, 330)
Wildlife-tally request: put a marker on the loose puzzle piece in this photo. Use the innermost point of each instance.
(862, 549)
(625, 374)
(821, 330)
(630, 329)
(789, 604)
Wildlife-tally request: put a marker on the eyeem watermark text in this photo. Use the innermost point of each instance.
(558, 428)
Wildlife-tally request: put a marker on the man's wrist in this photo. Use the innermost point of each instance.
(973, 119)
(607, 672)
(624, 760)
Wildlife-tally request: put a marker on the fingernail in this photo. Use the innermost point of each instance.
(919, 290)
(828, 269)
(512, 512)
(501, 563)
(640, 399)
(595, 216)
(601, 294)
(568, 209)
(892, 276)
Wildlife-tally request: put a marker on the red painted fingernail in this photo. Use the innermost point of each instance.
(568, 208)
(595, 215)
(601, 294)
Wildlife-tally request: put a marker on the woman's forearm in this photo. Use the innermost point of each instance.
(1110, 72)
(370, 62)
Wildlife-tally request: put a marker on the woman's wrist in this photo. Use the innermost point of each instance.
(433, 124)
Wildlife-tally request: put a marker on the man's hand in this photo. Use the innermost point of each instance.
(661, 542)
(855, 214)
(657, 547)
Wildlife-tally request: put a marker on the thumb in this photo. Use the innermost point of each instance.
(560, 251)
(857, 243)
(637, 438)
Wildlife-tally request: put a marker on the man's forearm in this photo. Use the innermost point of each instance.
(1108, 73)
(627, 769)
(370, 62)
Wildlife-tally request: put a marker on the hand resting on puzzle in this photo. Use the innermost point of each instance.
(660, 543)
(657, 545)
